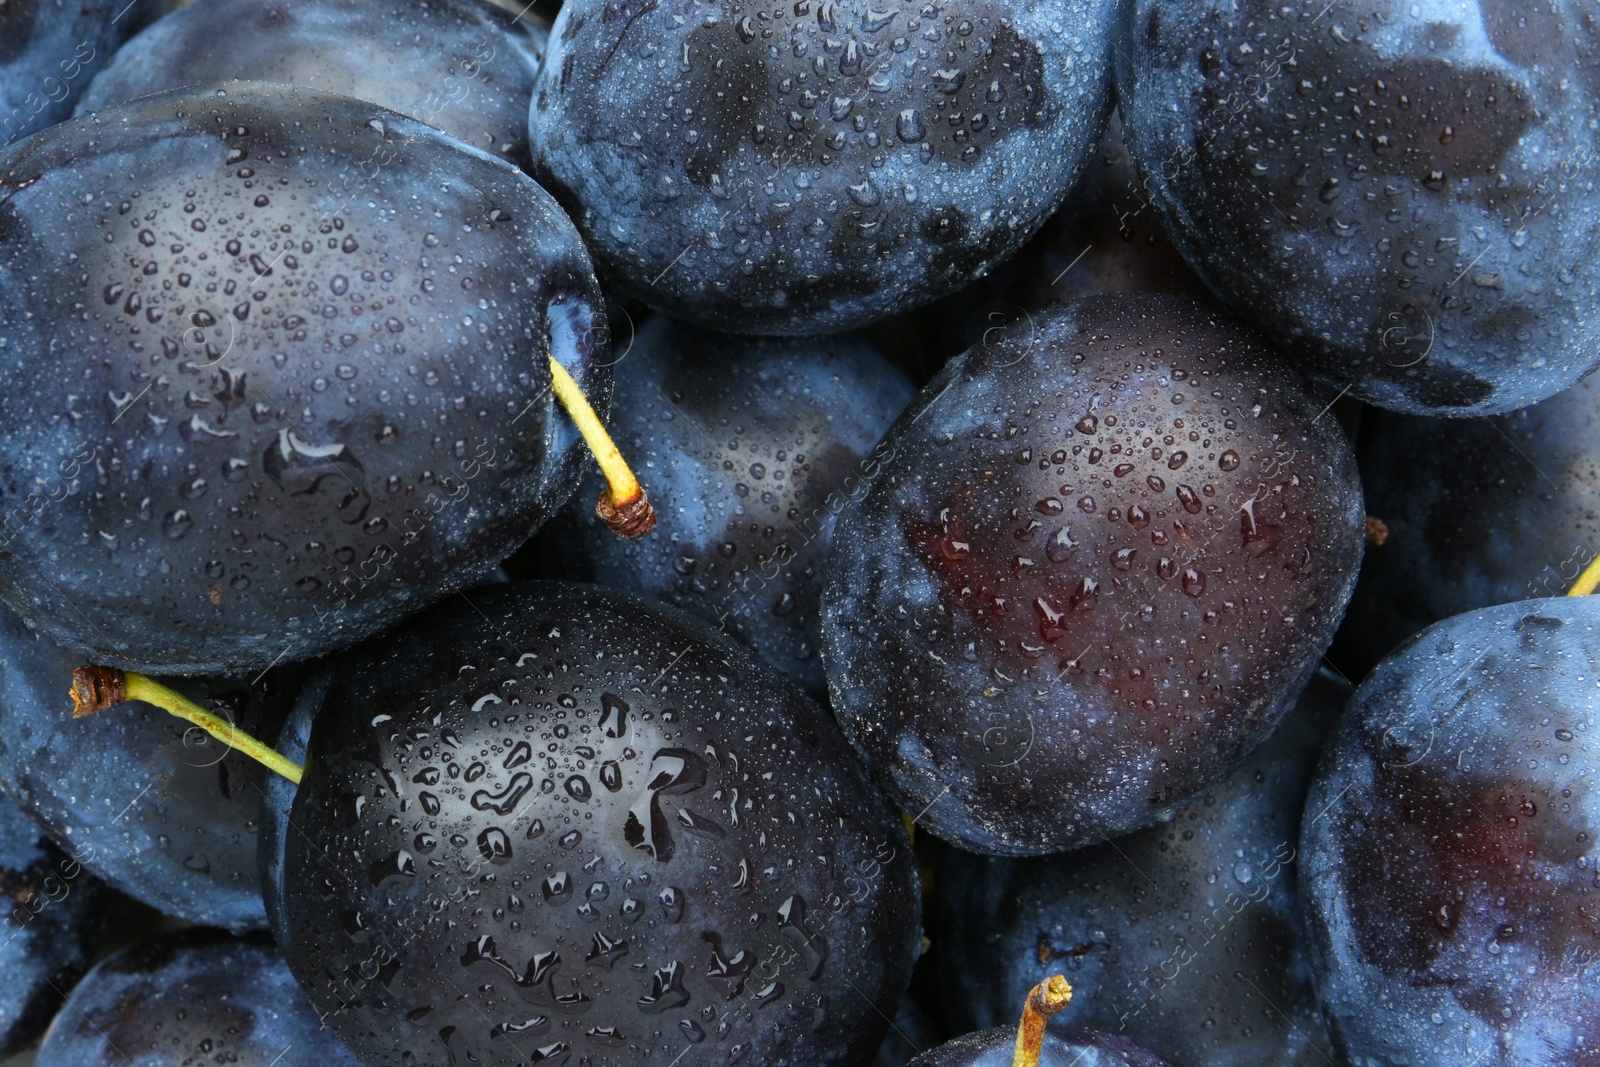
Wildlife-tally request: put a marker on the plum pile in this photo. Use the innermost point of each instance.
(799, 533)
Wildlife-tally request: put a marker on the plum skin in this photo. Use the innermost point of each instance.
(460, 65)
(1449, 847)
(50, 927)
(1044, 622)
(1480, 512)
(811, 167)
(1404, 197)
(750, 447)
(49, 51)
(1162, 929)
(684, 813)
(302, 409)
(197, 994)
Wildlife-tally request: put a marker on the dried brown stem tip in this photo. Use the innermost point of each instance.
(1047, 998)
(1377, 530)
(96, 689)
(629, 520)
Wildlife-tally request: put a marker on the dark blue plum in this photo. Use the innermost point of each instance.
(1450, 870)
(465, 66)
(157, 808)
(196, 997)
(313, 389)
(49, 49)
(1183, 937)
(1102, 557)
(1072, 1048)
(1403, 195)
(751, 447)
(1479, 512)
(556, 822)
(816, 165)
(52, 920)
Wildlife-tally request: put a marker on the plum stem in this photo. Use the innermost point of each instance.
(98, 688)
(1588, 580)
(1046, 998)
(622, 506)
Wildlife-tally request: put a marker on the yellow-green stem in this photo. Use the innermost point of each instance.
(1588, 580)
(97, 688)
(622, 506)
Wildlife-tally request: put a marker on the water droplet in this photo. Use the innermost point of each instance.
(495, 846)
(613, 715)
(909, 126)
(1060, 547)
(557, 888)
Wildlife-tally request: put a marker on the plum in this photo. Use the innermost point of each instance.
(556, 822)
(1476, 513)
(49, 931)
(310, 387)
(1186, 933)
(195, 997)
(465, 66)
(1403, 195)
(811, 166)
(49, 49)
(1449, 868)
(752, 447)
(1100, 559)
